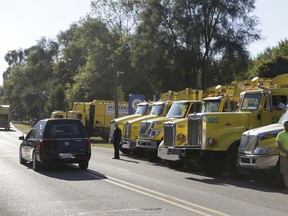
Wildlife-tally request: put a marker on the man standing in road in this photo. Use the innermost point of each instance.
(116, 141)
(282, 142)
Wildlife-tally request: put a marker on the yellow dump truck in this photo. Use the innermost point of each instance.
(152, 131)
(58, 114)
(214, 138)
(132, 127)
(142, 109)
(5, 117)
(217, 99)
(97, 115)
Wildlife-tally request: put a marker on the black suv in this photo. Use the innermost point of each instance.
(56, 141)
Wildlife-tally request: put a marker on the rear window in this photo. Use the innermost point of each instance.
(64, 130)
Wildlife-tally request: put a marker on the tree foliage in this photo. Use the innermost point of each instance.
(160, 45)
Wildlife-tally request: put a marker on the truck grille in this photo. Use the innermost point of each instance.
(126, 132)
(169, 134)
(145, 129)
(248, 143)
(195, 131)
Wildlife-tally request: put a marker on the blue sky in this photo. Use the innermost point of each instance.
(23, 22)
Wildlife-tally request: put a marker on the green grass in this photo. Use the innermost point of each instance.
(22, 126)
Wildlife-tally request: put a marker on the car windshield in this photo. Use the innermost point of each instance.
(64, 130)
(141, 109)
(250, 101)
(157, 109)
(178, 110)
(211, 106)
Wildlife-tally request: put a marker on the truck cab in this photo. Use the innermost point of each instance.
(175, 131)
(132, 127)
(214, 138)
(142, 109)
(152, 131)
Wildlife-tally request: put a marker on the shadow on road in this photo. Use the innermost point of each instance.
(69, 172)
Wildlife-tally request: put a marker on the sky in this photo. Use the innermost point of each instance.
(24, 22)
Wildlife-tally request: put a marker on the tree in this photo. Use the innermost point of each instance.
(272, 62)
(198, 32)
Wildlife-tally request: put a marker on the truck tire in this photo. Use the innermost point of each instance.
(213, 163)
(152, 156)
(231, 162)
(179, 164)
(125, 151)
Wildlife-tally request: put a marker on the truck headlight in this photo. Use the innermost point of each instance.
(181, 137)
(264, 150)
(211, 141)
(155, 133)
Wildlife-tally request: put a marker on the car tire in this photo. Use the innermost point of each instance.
(36, 164)
(83, 165)
(21, 159)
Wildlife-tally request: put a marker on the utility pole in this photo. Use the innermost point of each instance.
(116, 96)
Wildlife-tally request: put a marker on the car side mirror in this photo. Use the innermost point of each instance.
(21, 137)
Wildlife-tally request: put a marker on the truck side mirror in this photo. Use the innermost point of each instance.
(21, 137)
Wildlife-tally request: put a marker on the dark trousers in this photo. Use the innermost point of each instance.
(116, 149)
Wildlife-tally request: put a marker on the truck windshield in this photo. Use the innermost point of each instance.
(178, 110)
(211, 106)
(141, 109)
(157, 109)
(284, 117)
(250, 101)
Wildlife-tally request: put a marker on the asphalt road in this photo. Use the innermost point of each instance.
(129, 186)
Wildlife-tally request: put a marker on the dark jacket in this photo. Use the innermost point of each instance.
(117, 134)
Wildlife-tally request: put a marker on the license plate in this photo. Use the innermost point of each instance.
(66, 155)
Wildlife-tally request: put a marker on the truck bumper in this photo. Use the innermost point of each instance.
(182, 152)
(127, 144)
(148, 144)
(163, 154)
(257, 162)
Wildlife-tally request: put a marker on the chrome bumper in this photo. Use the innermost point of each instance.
(257, 162)
(151, 144)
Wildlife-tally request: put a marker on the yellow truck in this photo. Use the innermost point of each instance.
(97, 115)
(5, 117)
(217, 99)
(152, 131)
(131, 127)
(258, 153)
(80, 110)
(58, 114)
(142, 109)
(214, 138)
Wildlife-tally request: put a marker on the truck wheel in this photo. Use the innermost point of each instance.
(152, 156)
(231, 162)
(212, 164)
(36, 164)
(21, 159)
(125, 151)
(179, 164)
(83, 165)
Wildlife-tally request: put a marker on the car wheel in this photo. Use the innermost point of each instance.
(21, 159)
(36, 164)
(83, 165)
